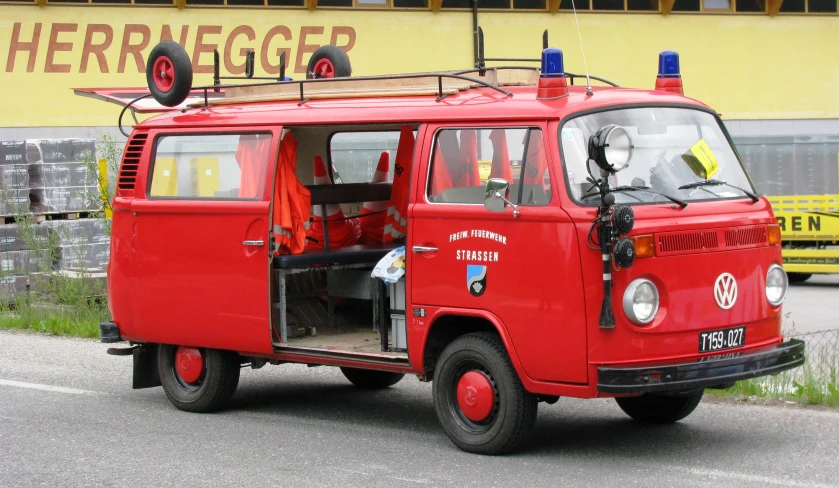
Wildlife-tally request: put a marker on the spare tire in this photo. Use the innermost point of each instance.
(328, 61)
(169, 73)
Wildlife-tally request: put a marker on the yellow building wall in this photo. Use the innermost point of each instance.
(745, 66)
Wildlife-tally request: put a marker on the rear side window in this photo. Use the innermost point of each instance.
(464, 159)
(215, 166)
(355, 155)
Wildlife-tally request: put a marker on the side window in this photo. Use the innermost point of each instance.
(355, 155)
(464, 159)
(220, 166)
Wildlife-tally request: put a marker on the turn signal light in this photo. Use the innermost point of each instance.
(773, 231)
(644, 246)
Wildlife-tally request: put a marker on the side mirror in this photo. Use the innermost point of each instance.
(497, 196)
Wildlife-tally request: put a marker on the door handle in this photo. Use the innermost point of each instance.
(422, 249)
(254, 243)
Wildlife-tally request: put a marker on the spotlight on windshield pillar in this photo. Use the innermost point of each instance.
(552, 82)
(669, 77)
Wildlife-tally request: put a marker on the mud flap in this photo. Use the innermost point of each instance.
(146, 374)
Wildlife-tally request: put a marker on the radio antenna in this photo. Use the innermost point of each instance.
(585, 65)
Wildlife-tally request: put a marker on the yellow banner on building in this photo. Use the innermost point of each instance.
(738, 64)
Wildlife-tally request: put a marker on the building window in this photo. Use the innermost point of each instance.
(794, 6)
(530, 4)
(607, 4)
(750, 5)
(578, 4)
(716, 5)
(686, 6)
(642, 5)
(822, 6)
(286, 3)
(410, 3)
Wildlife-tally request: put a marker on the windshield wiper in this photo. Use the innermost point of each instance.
(626, 188)
(697, 184)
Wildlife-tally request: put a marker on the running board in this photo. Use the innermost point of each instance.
(333, 357)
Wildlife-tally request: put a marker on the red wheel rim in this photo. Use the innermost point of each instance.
(475, 396)
(163, 74)
(189, 363)
(324, 69)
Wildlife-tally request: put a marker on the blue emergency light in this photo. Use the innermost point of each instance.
(552, 65)
(668, 65)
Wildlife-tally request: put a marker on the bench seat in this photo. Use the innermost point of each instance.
(359, 253)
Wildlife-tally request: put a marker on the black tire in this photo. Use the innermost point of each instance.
(371, 380)
(798, 277)
(170, 90)
(209, 393)
(660, 409)
(514, 411)
(329, 55)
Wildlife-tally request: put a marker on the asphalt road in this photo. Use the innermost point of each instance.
(68, 417)
(811, 306)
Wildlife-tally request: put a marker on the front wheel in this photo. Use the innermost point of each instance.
(371, 380)
(660, 409)
(196, 379)
(479, 398)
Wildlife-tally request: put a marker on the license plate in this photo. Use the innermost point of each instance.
(718, 340)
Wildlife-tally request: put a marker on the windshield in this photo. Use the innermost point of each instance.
(671, 147)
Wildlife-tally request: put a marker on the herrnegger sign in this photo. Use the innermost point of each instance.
(729, 61)
(71, 47)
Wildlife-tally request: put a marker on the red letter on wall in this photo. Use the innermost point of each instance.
(200, 47)
(97, 50)
(55, 46)
(303, 48)
(31, 47)
(134, 49)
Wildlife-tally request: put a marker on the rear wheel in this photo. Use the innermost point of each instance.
(328, 61)
(479, 398)
(660, 409)
(197, 379)
(169, 73)
(798, 277)
(371, 380)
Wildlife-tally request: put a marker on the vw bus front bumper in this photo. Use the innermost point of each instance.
(704, 373)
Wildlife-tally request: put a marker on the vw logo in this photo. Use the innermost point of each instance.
(725, 291)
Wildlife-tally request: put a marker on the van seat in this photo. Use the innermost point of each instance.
(359, 253)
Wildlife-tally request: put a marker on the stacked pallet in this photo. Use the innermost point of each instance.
(61, 176)
(53, 182)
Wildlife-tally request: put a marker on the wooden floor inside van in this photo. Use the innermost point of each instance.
(350, 340)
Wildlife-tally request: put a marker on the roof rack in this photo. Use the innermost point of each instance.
(441, 84)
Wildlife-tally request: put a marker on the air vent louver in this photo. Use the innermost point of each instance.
(130, 164)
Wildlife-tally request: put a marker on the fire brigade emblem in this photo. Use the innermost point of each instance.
(476, 279)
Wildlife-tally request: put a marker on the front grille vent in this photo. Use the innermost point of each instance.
(691, 242)
(131, 164)
(745, 236)
(682, 242)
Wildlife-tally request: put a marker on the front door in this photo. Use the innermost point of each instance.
(525, 270)
(202, 240)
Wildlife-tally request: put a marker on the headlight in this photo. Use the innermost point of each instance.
(640, 301)
(776, 285)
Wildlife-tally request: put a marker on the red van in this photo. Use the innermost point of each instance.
(558, 240)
